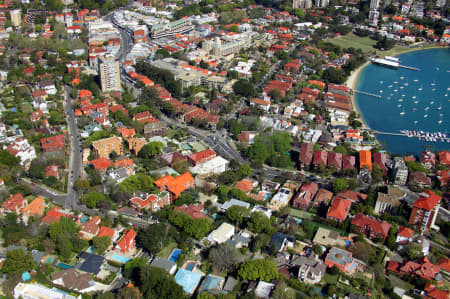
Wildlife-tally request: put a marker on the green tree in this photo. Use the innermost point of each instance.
(17, 261)
(37, 170)
(244, 170)
(8, 159)
(152, 149)
(237, 214)
(92, 198)
(131, 268)
(101, 244)
(282, 291)
(157, 283)
(260, 223)
(137, 182)
(224, 257)
(299, 13)
(244, 88)
(155, 237)
(339, 185)
(265, 270)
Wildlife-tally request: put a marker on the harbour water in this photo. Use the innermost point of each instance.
(410, 100)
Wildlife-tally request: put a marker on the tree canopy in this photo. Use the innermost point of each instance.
(17, 261)
(265, 270)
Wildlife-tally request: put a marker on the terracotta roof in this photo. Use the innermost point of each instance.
(427, 201)
(365, 159)
(244, 185)
(306, 153)
(123, 163)
(320, 157)
(196, 157)
(444, 264)
(36, 207)
(195, 211)
(339, 208)
(377, 226)
(352, 195)
(106, 231)
(127, 242)
(444, 157)
(101, 163)
(405, 232)
(91, 226)
(14, 202)
(53, 215)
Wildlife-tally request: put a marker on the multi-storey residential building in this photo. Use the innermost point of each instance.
(109, 73)
(425, 211)
(365, 160)
(399, 171)
(16, 18)
(164, 30)
(374, 229)
(219, 47)
(21, 149)
(306, 154)
(104, 147)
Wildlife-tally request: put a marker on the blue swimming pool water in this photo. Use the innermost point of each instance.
(90, 249)
(49, 260)
(298, 220)
(174, 255)
(119, 258)
(84, 219)
(267, 195)
(64, 266)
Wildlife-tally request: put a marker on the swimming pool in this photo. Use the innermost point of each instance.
(267, 195)
(119, 259)
(64, 266)
(190, 266)
(174, 255)
(298, 220)
(90, 249)
(84, 219)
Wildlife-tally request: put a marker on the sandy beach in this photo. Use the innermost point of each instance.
(351, 82)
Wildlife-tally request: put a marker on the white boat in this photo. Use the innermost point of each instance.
(426, 108)
(439, 108)
(426, 115)
(390, 86)
(416, 102)
(402, 78)
(413, 97)
(401, 87)
(395, 90)
(432, 102)
(381, 91)
(440, 121)
(381, 82)
(395, 82)
(403, 112)
(415, 121)
(415, 80)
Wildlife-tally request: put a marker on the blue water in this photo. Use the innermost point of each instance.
(384, 114)
(119, 258)
(90, 249)
(190, 266)
(174, 255)
(84, 219)
(64, 266)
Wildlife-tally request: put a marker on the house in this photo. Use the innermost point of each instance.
(108, 232)
(310, 269)
(353, 196)
(320, 159)
(90, 228)
(90, 263)
(404, 235)
(155, 129)
(164, 264)
(216, 165)
(365, 160)
(322, 196)
(195, 211)
(280, 199)
(20, 148)
(303, 199)
(339, 209)
(281, 242)
(212, 283)
(428, 159)
(264, 289)
(188, 280)
(261, 104)
(425, 211)
(374, 229)
(342, 259)
(14, 204)
(201, 157)
(175, 185)
(52, 170)
(145, 117)
(135, 145)
(444, 158)
(246, 185)
(419, 179)
(53, 215)
(73, 280)
(35, 208)
(153, 202)
(30, 290)
(126, 244)
(380, 159)
(234, 202)
(53, 143)
(306, 154)
(329, 238)
(349, 162)
(101, 164)
(247, 137)
(335, 159)
(220, 235)
(422, 268)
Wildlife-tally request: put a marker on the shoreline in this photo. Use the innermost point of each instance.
(352, 80)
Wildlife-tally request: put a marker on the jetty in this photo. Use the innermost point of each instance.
(365, 93)
(409, 67)
(423, 136)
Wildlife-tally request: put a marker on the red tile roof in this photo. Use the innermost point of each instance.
(244, 185)
(353, 196)
(427, 201)
(444, 157)
(405, 232)
(101, 163)
(106, 231)
(195, 211)
(127, 242)
(201, 156)
(339, 208)
(381, 228)
(14, 202)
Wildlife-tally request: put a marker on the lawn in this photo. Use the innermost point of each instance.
(397, 282)
(166, 251)
(300, 214)
(330, 279)
(366, 44)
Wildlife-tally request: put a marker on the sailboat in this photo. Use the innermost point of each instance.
(403, 112)
(426, 115)
(440, 121)
(415, 80)
(420, 88)
(440, 107)
(426, 108)
(416, 102)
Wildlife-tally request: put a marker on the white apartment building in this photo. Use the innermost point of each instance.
(109, 74)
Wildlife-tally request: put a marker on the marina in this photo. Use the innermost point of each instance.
(420, 135)
(392, 62)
